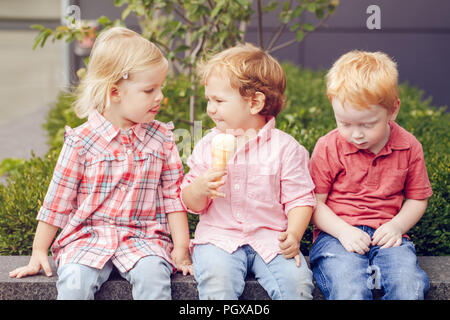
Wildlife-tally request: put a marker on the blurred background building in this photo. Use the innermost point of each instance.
(416, 33)
(29, 79)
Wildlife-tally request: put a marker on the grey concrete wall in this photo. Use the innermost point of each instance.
(416, 33)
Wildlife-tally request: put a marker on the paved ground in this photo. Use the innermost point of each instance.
(24, 134)
(29, 83)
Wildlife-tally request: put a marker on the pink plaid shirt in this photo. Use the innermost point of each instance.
(265, 179)
(111, 191)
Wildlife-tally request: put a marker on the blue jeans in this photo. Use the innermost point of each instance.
(150, 280)
(348, 275)
(221, 275)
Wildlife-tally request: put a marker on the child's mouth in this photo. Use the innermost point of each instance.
(360, 145)
(154, 110)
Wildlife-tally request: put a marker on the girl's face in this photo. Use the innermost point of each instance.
(226, 107)
(138, 98)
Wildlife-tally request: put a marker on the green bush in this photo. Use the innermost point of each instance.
(20, 201)
(307, 116)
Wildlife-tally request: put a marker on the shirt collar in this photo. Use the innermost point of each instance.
(140, 130)
(109, 131)
(266, 132)
(397, 141)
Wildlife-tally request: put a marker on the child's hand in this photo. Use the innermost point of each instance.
(387, 235)
(290, 246)
(208, 183)
(355, 240)
(38, 260)
(182, 260)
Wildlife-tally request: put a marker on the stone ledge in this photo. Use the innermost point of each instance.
(40, 287)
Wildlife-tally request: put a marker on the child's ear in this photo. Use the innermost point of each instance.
(396, 110)
(114, 93)
(257, 103)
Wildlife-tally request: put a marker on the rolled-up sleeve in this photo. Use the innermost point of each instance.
(197, 163)
(322, 167)
(417, 184)
(61, 198)
(171, 179)
(297, 187)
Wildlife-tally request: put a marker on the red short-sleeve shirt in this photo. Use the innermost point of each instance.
(368, 189)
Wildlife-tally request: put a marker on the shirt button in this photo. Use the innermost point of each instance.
(238, 215)
(129, 151)
(237, 186)
(111, 221)
(123, 189)
(130, 131)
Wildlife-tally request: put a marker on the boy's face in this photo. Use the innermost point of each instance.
(226, 107)
(366, 129)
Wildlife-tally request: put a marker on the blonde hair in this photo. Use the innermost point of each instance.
(250, 70)
(117, 52)
(364, 79)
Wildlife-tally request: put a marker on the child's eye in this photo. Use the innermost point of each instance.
(368, 125)
(148, 91)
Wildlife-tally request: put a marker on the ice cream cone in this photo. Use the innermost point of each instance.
(223, 147)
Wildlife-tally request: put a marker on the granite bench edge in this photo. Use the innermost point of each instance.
(40, 287)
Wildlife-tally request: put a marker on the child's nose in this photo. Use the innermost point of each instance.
(357, 134)
(160, 96)
(210, 108)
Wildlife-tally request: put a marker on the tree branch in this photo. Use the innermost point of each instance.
(277, 36)
(283, 45)
(279, 32)
(292, 41)
(182, 16)
(260, 30)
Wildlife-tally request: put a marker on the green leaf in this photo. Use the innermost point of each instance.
(299, 35)
(295, 26)
(37, 27)
(286, 6)
(126, 12)
(311, 7)
(298, 11)
(270, 7)
(103, 20)
(181, 48)
(217, 9)
(308, 27)
(320, 13)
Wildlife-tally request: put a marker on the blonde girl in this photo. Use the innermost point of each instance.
(115, 188)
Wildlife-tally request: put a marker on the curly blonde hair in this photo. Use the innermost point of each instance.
(250, 70)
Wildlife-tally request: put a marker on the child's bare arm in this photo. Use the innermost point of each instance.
(179, 231)
(351, 238)
(45, 233)
(298, 221)
(390, 234)
(325, 219)
(195, 196)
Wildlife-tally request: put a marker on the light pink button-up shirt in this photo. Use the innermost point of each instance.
(266, 178)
